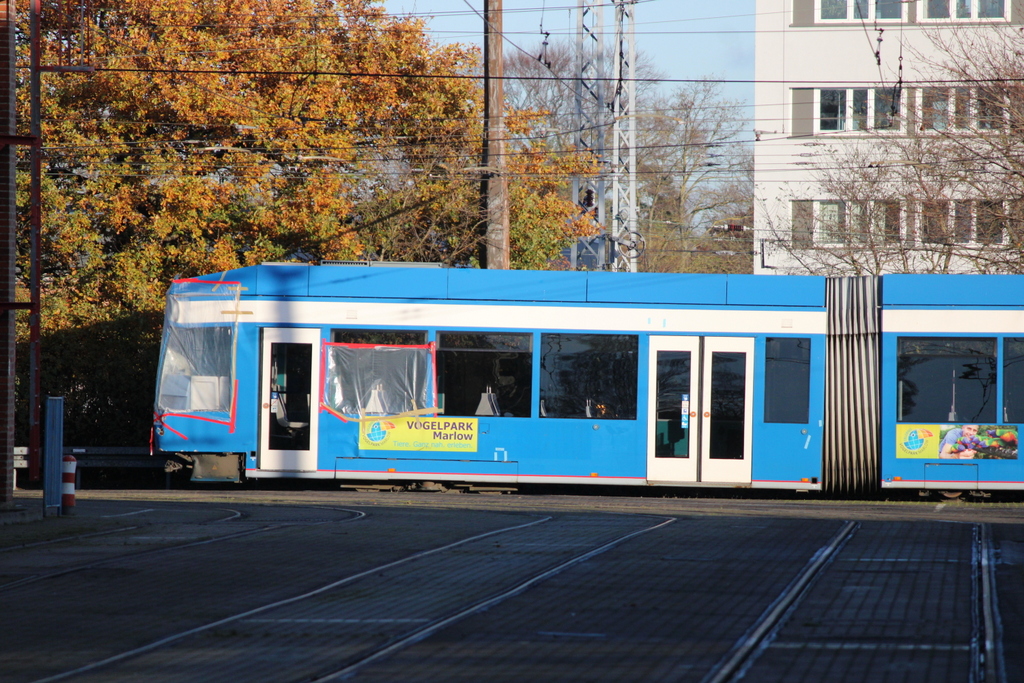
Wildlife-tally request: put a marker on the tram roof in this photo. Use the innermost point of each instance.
(470, 284)
(953, 290)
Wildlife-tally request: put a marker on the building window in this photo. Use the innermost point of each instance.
(589, 376)
(803, 223)
(887, 108)
(961, 107)
(833, 110)
(839, 222)
(850, 108)
(962, 222)
(836, 9)
(888, 218)
(860, 227)
(857, 10)
(963, 218)
(832, 222)
(888, 9)
(485, 373)
(965, 9)
(935, 109)
(990, 217)
(946, 380)
(991, 108)
(1013, 221)
(943, 109)
(934, 222)
(860, 110)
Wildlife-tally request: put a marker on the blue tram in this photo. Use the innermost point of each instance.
(398, 374)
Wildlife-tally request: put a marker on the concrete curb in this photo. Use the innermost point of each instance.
(21, 514)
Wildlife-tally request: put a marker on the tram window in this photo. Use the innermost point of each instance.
(672, 426)
(377, 379)
(485, 373)
(589, 376)
(787, 380)
(728, 405)
(195, 374)
(384, 337)
(1013, 380)
(946, 380)
(291, 389)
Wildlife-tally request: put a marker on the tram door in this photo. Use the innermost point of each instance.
(289, 380)
(700, 400)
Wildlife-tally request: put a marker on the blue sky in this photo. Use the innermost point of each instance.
(686, 39)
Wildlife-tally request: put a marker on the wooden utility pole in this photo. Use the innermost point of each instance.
(495, 250)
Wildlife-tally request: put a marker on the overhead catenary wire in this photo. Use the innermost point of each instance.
(641, 79)
(552, 135)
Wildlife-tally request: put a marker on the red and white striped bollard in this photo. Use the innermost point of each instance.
(67, 498)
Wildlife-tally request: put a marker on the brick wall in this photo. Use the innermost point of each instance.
(7, 252)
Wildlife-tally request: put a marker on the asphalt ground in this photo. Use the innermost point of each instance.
(241, 585)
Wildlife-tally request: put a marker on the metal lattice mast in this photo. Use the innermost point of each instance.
(590, 105)
(629, 243)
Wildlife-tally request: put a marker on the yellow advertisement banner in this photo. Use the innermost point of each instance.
(917, 441)
(449, 434)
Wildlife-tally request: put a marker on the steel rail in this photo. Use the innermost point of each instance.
(756, 639)
(988, 665)
(169, 548)
(418, 634)
(64, 539)
(167, 640)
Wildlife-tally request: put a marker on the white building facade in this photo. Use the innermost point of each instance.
(849, 94)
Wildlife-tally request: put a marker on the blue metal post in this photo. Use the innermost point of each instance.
(53, 455)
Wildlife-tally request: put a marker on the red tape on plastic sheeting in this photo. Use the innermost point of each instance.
(429, 346)
(161, 419)
(324, 408)
(198, 281)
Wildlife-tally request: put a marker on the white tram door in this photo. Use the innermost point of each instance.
(289, 382)
(700, 399)
(727, 410)
(672, 445)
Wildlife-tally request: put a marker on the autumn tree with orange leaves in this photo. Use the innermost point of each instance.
(225, 133)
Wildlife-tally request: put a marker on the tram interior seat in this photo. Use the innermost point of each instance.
(281, 413)
(488, 403)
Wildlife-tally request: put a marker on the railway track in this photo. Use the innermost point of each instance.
(983, 647)
(711, 600)
(163, 548)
